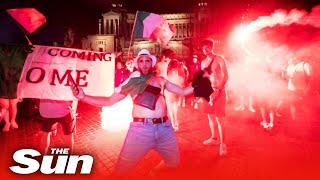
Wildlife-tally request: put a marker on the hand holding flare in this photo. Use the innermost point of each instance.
(77, 91)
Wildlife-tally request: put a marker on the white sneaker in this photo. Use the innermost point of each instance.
(251, 109)
(223, 150)
(240, 108)
(264, 124)
(270, 126)
(278, 114)
(196, 106)
(211, 141)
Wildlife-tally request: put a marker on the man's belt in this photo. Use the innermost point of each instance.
(151, 120)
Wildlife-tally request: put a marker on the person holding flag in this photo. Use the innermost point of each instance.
(150, 128)
(153, 26)
(14, 47)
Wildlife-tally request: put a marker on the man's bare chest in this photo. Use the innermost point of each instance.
(214, 65)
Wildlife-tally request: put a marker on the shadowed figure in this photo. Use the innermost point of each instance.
(176, 74)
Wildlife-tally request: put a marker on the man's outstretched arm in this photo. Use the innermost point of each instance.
(173, 88)
(96, 100)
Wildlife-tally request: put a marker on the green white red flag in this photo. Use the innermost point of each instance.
(29, 18)
(153, 26)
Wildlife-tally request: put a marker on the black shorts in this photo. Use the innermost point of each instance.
(50, 124)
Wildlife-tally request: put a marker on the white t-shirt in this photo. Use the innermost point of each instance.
(54, 109)
(298, 76)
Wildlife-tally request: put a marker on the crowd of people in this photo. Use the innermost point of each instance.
(159, 88)
(296, 84)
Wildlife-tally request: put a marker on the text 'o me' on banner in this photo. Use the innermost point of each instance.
(48, 70)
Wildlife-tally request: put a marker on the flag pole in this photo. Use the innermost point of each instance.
(134, 25)
(29, 42)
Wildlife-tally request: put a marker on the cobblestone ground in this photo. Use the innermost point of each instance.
(288, 151)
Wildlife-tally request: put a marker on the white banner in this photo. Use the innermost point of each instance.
(47, 70)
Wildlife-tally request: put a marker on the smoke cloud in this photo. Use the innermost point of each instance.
(271, 41)
(287, 33)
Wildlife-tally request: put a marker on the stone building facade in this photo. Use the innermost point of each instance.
(116, 25)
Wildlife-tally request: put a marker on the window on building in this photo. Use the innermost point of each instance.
(111, 27)
(192, 30)
(107, 26)
(117, 27)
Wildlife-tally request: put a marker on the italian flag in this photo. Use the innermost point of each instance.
(12, 59)
(153, 26)
(13, 56)
(29, 18)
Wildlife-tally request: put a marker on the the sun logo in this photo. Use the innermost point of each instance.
(65, 163)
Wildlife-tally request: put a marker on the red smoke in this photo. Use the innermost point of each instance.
(295, 32)
(271, 41)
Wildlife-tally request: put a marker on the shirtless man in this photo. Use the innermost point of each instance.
(162, 66)
(150, 128)
(300, 80)
(215, 67)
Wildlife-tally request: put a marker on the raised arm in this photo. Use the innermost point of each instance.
(96, 100)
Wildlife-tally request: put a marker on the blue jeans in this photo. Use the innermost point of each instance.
(141, 138)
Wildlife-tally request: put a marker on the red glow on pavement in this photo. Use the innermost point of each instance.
(117, 117)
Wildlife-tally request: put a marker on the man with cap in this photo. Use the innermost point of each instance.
(150, 128)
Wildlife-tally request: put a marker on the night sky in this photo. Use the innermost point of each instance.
(84, 14)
